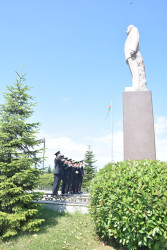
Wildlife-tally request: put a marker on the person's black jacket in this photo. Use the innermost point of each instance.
(58, 166)
(77, 172)
(82, 170)
(70, 172)
(73, 174)
(80, 173)
(67, 171)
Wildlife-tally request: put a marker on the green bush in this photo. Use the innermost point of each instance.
(129, 203)
(45, 181)
(85, 183)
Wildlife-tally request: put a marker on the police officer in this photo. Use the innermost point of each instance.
(58, 174)
(65, 175)
(68, 175)
(71, 177)
(81, 175)
(78, 176)
(74, 177)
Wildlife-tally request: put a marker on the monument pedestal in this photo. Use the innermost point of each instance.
(138, 126)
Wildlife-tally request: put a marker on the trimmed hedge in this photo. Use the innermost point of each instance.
(129, 203)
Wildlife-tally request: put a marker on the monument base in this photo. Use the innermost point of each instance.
(138, 126)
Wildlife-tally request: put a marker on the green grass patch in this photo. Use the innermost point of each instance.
(59, 231)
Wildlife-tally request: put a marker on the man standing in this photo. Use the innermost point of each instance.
(74, 174)
(68, 176)
(71, 177)
(65, 175)
(58, 174)
(81, 174)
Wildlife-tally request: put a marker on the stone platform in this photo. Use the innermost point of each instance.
(138, 123)
(65, 203)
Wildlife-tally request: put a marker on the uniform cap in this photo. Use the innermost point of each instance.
(58, 152)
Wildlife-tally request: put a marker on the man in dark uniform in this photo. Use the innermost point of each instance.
(68, 175)
(78, 175)
(65, 172)
(58, 174)
(75, 177)
(81, 175)
(70, 186)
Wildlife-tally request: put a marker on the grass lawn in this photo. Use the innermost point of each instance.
(59, 231)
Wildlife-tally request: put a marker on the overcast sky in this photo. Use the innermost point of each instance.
(73, 54)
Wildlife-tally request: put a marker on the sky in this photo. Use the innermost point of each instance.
(73, 55)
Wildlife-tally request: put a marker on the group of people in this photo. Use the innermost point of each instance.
(70, 172)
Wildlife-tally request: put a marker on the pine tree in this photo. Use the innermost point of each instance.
(49, 170)
(89, 168)
(18, 157)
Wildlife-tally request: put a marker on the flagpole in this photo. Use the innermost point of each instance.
(112, 134)
(44, 153)
(111, 108)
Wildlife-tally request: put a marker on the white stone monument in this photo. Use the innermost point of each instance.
(138, 120)
(134, 60)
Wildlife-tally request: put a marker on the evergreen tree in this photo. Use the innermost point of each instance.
(18, 157)
(49, 170)
(89, 167)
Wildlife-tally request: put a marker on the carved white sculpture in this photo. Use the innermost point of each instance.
(134, 60)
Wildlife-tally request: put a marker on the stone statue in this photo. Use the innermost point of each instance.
(134, 60)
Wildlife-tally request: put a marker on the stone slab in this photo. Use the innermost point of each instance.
(65, 203)
(138, 126)
(64, 207)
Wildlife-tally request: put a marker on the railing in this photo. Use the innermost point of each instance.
(82, 199)
(49, 188)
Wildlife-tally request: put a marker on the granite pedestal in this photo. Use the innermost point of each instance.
(138, 126)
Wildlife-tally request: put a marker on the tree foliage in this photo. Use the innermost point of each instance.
(49, 171)
(19, 154)
(45, 181)
(89, 167)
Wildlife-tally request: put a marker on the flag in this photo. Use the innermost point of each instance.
(109, 110)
